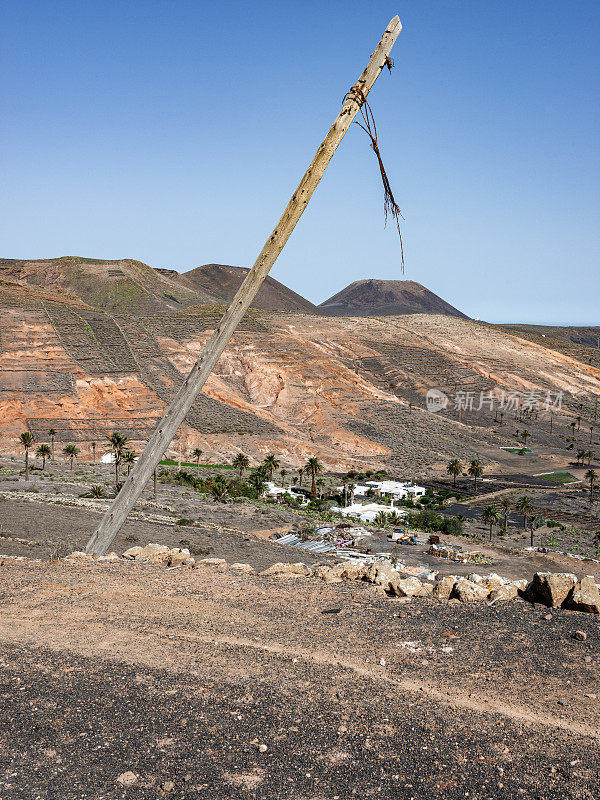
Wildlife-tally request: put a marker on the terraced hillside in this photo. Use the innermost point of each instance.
(350, 390)
(125, 286)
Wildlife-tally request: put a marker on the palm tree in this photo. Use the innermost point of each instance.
(129, 458)
(532, 522)
(300, 474)
(219, 489)
(475, 470)
(581, 456)
(381, 519)
(52, 434)
(71, 452)
(257, 482)
(525, 435)
(43, 452)
(270, 464)
(26, 440)
(118, 443)
(283, 474)
(351, 488)
(591, 476)
(505, 505)
(197, 453)
(491, 517)
(320, 484)
(93, 445)
(97, 491)
(454, 468)
(241, 462)
(313, 466)
(524, 507)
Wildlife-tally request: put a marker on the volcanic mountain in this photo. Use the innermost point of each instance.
(375, 298)
(123, 286)
(132, 287)
(223, 281)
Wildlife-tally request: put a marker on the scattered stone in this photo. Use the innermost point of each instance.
(581, 636)
(168, 786)
(294, 570)
(132, 552)
(240, 567)
(548, 617)
(78, 555)
(262, 748)
(127, 778)
(217, 563)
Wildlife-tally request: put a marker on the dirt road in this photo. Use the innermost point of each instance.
(184, 677)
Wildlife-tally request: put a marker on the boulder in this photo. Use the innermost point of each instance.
(443, 588)
(78, 555)
(551, 588)
(475, 578)
(381, 573)
(408, 587)
(151, 552)
(109, 557)
(469, 592)
(494, 581)
(585, 596)
(506, 592)
(216, 563)
(293, 570)
(521, 584)
(132, 552)
(350, 570)
(241, 567)
(179, 558)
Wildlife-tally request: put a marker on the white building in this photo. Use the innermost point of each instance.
(368, 511)
(272, 490)
(396, 490)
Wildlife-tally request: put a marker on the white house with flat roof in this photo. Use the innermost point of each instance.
(396, 490)
(367, 511)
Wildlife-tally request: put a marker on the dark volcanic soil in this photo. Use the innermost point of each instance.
(180, 676)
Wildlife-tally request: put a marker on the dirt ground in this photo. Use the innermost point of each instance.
(206, 683)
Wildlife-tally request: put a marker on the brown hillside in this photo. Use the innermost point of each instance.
(351, 391)
(123, 286)
(373, 298)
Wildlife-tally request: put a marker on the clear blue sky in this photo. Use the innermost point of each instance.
(175, 132)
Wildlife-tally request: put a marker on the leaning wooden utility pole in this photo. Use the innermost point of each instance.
(184, 399)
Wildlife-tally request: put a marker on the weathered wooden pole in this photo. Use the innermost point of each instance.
(184, 399)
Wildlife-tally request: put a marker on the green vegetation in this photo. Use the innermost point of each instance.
(558, 477)
(71, 452)
(26, 441)
(428, 520)
(168, 462)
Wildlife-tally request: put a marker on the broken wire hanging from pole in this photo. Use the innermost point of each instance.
(390, 205)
